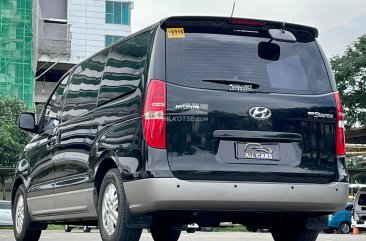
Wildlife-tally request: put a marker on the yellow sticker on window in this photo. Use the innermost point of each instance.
(175, 33)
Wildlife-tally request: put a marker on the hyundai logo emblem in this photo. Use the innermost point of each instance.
(260, 113)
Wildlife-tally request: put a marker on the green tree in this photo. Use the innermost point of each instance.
(12, 139)
(350, 74)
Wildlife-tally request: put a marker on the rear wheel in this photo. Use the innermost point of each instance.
(22, 219)
(344, 228)
(112, 210)
(165, 233)
(295, 231)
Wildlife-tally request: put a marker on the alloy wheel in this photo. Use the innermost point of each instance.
(344, 228)
(110, 209)
(19, 214)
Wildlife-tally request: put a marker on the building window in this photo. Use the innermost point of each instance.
(118, 12)
(111, 39)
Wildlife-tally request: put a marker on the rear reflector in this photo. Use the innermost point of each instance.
(154, 114)
(247, 22)
(340, 136)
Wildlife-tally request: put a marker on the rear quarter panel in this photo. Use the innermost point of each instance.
(116, 134)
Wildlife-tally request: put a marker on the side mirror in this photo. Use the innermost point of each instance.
(27, 122)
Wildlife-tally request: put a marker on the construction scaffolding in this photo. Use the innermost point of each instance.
(16, 55)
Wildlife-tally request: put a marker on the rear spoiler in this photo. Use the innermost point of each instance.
(222, 22)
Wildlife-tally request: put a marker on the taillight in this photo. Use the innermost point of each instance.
(154, 114)
(340, 136)
(247, 22)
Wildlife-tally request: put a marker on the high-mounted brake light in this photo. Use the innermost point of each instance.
(340, 136)
(247, 22)
(154, 114)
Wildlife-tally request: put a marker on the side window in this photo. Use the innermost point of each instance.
(362, 199)
(125, 67)
(83, 92)
(54, 105)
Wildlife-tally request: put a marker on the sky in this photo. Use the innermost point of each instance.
(340, 22)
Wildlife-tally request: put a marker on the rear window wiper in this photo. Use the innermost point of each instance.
(236, 82)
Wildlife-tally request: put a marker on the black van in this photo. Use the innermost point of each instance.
(192, 120)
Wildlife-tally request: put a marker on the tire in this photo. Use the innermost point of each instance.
(86, 229)
(328, 231)
(344, 228)
(112, 210)
(295, 231)
(67, 228)
(22, 219)
(163, 233)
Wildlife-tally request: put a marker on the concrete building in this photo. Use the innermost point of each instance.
(42, 39)
(45, 38)
(72, 30)
(17, 58)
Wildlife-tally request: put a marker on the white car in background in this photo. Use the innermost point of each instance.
(5, 213)
(359, 209)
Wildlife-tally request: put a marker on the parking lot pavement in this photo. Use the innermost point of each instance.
(7, 235)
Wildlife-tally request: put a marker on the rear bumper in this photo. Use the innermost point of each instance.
(158, 194)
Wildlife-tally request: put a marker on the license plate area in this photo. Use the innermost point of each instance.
(258, 151)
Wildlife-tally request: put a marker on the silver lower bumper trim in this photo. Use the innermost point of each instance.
(157, 194)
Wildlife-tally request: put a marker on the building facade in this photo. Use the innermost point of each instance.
(17, 63)
(72, 30)
(41, 39)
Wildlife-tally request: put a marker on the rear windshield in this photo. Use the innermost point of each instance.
(210, 56)
(362, 200)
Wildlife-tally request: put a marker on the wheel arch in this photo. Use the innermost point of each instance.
(17, 182)
(345, 221)
(106, 163)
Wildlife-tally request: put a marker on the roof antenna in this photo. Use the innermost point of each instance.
(232, 11)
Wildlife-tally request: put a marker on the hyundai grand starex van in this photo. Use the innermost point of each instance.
(191, 120)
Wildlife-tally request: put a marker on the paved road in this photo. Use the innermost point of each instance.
(7, 235)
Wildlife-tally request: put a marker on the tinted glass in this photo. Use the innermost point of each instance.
(362, 200)
(83, 92)
(54, 106)
(206, 56)
(126, 13)
(117, 12)
(124, 68)
(109, 12)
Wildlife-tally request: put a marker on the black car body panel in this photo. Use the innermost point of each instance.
(201, 155)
